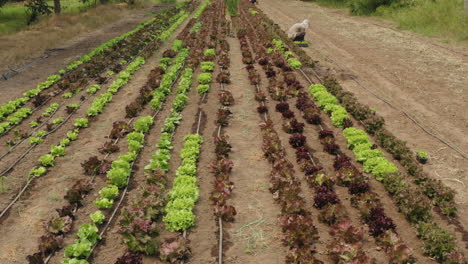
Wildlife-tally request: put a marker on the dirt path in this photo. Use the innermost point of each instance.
(426, 79)
(255, 234)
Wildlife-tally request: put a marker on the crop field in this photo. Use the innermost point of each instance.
(201, 137)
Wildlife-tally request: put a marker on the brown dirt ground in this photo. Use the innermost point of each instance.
(255, 235)
(428, 80)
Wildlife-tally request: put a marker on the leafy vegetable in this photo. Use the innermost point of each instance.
(57, 150)
(103, 203)
(203, 88)
(207, 66)
(184, 192)
(209, 52)
(204, 78)
(51, 109)
(57, 121)
(72, 135)
(143, 124)
(67, 95)
(81, 122)
(93, 89)
(47, 160)
(109, 192)
(37, 171)
(35, 140)
(97, 217)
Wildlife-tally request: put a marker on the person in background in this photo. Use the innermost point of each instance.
(253, 1)
(297, 31)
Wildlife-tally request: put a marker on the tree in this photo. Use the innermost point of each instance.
(57, 7)
(37, 8)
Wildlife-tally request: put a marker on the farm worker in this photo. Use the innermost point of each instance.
(297, 31)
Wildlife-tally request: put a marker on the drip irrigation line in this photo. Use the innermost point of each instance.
(448, 144)
(17, 161)
(33, 146)
(69, 116)
(32, 111)
(25, 186)
(120, 201)
(16, 198)
(113, 213)
(29, 135)
(220, 252)
(199, 121)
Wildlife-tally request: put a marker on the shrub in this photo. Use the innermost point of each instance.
(366, 7)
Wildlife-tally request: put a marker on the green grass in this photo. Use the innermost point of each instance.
(436, 18)
(13, 16)
(440, 18)
(340, 4)
(232, 6)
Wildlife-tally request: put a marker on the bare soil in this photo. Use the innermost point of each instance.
(255, 235)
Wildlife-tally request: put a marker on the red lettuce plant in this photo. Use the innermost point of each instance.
(355, 188)
(297, 140)
(91, 166)
(175, 250)
(281, 107)
(288, 114)
(226, 98)
(379, 222)
(222, 146)
(262, 109)
(130, 258)
(324, 197)
(109, 147)
(119, 129)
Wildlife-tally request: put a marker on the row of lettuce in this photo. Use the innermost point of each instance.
(440, 194)
(437, 242)
(151, 204)
(12, 106)
(121, 169)
(119, 172)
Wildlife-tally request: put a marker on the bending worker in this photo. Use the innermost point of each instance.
(297, 31)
